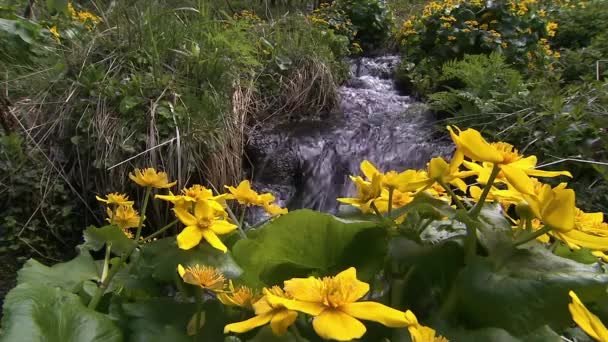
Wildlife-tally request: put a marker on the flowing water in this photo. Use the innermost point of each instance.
(306, 164)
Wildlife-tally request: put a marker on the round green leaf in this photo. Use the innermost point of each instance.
(34, 312)
(305, 241)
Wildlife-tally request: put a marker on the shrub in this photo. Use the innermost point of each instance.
(520, 30)
(367, 23)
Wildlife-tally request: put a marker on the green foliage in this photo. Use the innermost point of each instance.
(37, 208)
(485, 84)
(365, 23)
(34, 312)
(325, 245)
(447, 31)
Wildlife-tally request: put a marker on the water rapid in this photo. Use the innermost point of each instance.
(307, 164)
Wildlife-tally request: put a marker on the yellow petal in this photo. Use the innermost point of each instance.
(181, 270)
(222, 227)
(372, 311)
(189, 237)
(250, 324)
(600, 255)
(281, 321)
(589, 322)
(438, 168)
(559, 214)
(185, 217)
(336, 325)
(357, 288)
(213, 240)
(473, 145)
(581, 239)
(305, 289)
(411, 318)
(518, 179)
(310, 308)
(542, 173)
(369, 170)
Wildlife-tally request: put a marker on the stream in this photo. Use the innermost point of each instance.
(307, 164)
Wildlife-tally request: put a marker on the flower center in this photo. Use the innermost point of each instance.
(207, 277)
(509, 152)
(336, 293)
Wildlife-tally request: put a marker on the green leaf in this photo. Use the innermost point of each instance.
(265, 335)
(161, 258)
(57, 5)
(582, 255)
(95, 238)
(34, 312)
(159, 319)
(68, 275)
(543, 334)
(526, 290)
(303, 242)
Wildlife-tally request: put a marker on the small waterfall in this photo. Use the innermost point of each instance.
(307, 164)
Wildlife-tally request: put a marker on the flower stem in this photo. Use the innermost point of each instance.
(449, 190)
(486, 190)
(106, 261)
(235, 220)
(143, 213)
(160, 231)
(106, 282)
(529, 237)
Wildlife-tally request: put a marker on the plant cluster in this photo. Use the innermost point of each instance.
(448, 30)
(366, 23)
(450, 246)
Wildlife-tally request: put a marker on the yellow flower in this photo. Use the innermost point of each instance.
(204, 224)
(116, 198)
(71, 10)
(242, 296)
(333, 302)
(589, 232)
(274, 209)
(586, 320)
(149, 177)
(279, 317)
(400, 199)
(194, 194)
(515, 168)
(123, 216)
(440, 170)
(206, 277)
(367, 192)
(55, 33)
(244, 194)
(421, 333)
(553, 206)
(408, 180)
(552, 29)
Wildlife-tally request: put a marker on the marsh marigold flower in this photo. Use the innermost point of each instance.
(241, 296)
(192, 195)
(150, 177)
(116, 198)
(206, 277)
(333, 303)
(514, 167)
(367, 192)
(245, 195)
(586, 320)
(203, 224)
(421, 333)
(124, 217)
(279, 317)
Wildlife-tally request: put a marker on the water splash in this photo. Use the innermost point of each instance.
(307, 164)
